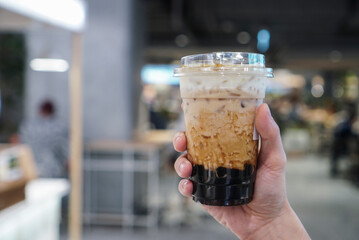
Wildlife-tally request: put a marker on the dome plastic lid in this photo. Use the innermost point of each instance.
(224, 62)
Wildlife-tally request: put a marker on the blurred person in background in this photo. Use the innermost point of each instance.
(289, 110)
(342, 135)
(151, 100)
(297, 109)
(48, 139)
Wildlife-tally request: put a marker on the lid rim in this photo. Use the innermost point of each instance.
(178, 72)
(224, 58)
(269, 75)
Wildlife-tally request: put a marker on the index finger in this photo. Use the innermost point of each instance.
(180, 142)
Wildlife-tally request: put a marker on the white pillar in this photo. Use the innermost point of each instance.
(110, 69)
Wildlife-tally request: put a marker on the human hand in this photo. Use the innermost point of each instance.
(269, 214)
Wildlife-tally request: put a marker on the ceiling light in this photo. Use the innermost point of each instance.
(49, 65)
(317, 91)
(263, 38)
(338, 92)
(243, 37)
(182, 40)
(317, 80)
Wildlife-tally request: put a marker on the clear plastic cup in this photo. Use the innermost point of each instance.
(221, 92)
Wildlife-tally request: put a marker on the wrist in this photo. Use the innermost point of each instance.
(285, 226)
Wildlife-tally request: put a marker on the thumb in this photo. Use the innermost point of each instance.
(272, 153)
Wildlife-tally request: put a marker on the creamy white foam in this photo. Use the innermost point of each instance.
(223, 86)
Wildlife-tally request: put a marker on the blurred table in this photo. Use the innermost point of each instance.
(157, 136)
(38, 216)
(121, 181)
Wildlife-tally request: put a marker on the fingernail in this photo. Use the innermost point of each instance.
(178, 137)
(185, 182)
(181, 167)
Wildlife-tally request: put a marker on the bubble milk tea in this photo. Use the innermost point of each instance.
(221, 92)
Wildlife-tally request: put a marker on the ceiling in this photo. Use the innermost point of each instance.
(324, 32)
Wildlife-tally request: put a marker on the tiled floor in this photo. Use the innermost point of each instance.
(329, 209)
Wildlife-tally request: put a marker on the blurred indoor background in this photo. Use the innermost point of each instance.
(120, 119)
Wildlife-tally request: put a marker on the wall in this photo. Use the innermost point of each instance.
(111, 70)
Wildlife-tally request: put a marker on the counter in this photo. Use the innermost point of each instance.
(38, 216)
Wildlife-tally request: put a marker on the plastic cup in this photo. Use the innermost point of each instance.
(221, 92)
